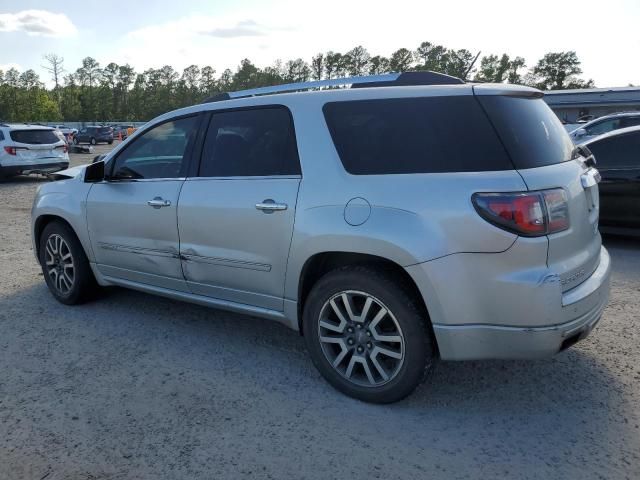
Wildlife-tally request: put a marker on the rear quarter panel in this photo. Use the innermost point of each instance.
(413, 218)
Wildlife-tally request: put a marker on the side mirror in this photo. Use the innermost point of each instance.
(581, 132)
(94, 173)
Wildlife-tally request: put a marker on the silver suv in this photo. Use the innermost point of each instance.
(413, 219)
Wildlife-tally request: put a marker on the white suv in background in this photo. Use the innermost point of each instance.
(28, 149)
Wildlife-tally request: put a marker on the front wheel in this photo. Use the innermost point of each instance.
(367, 334)
(93, 141)
(64, 265)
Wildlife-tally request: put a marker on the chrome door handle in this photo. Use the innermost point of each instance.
(270, 206)
(158, 202)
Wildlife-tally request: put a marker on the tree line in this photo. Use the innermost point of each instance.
(117, 92)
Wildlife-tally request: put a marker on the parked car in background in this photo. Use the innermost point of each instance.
(31, 149)
(94, 135)
(66, 131)
(410, 234)
(617, 155)
(123, 130)
(603, 125)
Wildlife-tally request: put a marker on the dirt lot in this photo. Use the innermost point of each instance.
(133, 386)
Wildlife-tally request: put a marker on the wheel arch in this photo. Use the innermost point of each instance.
(323, 262)
(40, 224)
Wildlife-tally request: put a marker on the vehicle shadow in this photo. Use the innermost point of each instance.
(23, 179)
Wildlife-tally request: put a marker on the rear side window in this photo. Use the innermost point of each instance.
(619, 151)
(629, 122)
(531, 132)
(245, 143)
(414, 135)
(1, 136)
(34, 137)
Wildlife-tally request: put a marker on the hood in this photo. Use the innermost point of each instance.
(72, 172)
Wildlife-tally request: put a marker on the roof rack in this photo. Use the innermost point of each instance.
(383, 80)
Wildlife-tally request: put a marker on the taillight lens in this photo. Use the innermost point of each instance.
(10, 150)
(65, 148)
(530, 214)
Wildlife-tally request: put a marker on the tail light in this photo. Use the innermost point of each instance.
(13, 150)
(530, 214)
(65, 148)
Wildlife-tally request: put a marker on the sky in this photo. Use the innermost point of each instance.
(220, 33)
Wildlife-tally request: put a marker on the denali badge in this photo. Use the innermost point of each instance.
(573, 277)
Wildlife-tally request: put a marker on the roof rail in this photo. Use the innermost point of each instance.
(383, 80)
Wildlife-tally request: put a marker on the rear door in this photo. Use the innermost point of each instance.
(542, 153)
(618, 160)
(236, 217)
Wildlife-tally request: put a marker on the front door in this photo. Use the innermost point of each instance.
(132, 216)
(236, 217)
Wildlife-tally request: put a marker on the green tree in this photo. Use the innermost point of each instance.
(401, 60)
(378, 65)
(558, 71)
(357, 61)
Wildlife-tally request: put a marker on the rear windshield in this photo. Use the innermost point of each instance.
(104, 129)
(531, 132)
(34, 137)
(414, 135)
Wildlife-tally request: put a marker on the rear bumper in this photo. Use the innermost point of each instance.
(27, 168)
(576, 312)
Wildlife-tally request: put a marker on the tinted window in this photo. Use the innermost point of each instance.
(105, 130)
(1, 136)
(617, 151)
(256, 142)
(414, 135)
(159, 152)
(629, 122)
(34, 137)
(532, 133)
(603, 127)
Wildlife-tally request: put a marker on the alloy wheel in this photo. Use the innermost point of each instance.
(59, 264)
(361, 338)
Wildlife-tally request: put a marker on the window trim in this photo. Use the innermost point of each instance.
(207, 120)
(188, 154)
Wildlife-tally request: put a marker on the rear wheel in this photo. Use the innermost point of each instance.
(64, 265)
(76, 141)
(367, 334)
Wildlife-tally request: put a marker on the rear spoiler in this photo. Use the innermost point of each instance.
(518, 91)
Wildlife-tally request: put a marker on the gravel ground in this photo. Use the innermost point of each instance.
(134, 386)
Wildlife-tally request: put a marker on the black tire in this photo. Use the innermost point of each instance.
(83, 282)
(93, 141)
(76, 141)
(110, 142)
(419, 347)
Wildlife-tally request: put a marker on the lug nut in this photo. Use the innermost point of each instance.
(350, 329)
(359, 326)
(350, 341)
(369, 345)
(368, 333)
(360, 349)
